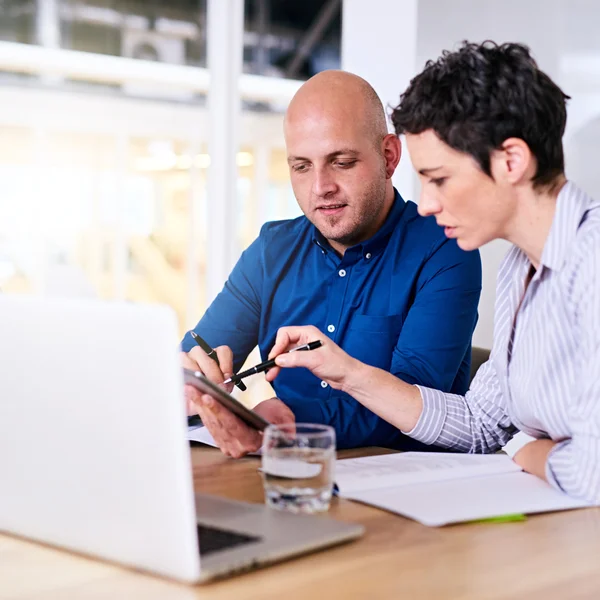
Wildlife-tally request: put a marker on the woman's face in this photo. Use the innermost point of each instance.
(472, 207)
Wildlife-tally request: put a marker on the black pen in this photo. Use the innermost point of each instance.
(210, 351)
(268, 364)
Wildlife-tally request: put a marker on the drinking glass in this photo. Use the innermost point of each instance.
(298, 463)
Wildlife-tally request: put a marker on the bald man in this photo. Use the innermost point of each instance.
(361, 264)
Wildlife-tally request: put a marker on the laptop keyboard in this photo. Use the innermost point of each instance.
(211, 539)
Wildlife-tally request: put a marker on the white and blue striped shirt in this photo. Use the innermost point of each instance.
(543, 375)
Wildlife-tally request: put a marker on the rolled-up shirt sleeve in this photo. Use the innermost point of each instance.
(475, 423)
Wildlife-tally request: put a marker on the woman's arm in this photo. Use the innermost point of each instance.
(573, 465)
(476, 422)
(533, 457)
(392, 399)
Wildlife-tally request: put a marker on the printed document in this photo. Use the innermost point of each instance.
(437, 488)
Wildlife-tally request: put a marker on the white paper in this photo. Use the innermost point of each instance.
(440, 488)
(373, 472)
(444, 502)
(199, 433)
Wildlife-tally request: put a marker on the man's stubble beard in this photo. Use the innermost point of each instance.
(366, 219)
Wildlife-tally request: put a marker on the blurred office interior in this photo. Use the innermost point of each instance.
(141, 140)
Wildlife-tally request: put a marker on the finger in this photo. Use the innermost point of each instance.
(190, 408)
(284, 340)
(242, 438)
(290, 337)
(215, 426)
(187, 362)
(234, 427)
(250, 441)
(251, 446)
(191, 394)
(309, 360)
(225, 355)
(286, 414)
(275, 411)
(192, 399)
(209, 402)
(272, 373)
(206, 364)
(287, 427)
(282, 417)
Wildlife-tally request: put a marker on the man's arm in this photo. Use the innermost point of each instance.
(233, 318)
(230, 326)
(436, 335)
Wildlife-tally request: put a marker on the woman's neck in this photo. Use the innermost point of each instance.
(531, 224)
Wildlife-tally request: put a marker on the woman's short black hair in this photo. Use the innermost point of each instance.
(482, 94)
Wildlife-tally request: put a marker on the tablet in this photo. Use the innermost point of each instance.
(205, 386)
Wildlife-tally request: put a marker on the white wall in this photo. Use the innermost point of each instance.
(555, 30)
(373, 48)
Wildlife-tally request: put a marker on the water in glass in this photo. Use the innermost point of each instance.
(298, 467)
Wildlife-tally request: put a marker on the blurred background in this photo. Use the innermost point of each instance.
(141, 144)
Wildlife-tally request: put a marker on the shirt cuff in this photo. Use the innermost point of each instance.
(517, 442)
(550, 472)
(433, 415)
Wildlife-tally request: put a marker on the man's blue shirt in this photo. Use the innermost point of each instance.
(404, 301)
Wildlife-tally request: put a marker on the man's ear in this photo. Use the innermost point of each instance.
(392, 151)
(513, 162)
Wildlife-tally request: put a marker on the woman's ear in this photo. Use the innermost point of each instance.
(513, 162)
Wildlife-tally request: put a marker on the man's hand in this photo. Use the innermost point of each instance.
(230, 433)
(197, 360)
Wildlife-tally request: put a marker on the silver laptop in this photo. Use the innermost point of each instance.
(93, 449)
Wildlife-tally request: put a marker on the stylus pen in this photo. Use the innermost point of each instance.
(268, 364)
(210, 351)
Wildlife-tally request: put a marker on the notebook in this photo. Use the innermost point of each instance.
(441, 488)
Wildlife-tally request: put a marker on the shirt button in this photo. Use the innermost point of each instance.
(368, 255)
(331, 328)
(323, 384)
(342, 273)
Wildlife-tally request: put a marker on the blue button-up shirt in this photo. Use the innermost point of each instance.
(405, 301)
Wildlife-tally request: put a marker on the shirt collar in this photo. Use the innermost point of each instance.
(377, 242)
(571, 206)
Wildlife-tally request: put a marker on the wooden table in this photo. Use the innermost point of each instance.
(547, 556)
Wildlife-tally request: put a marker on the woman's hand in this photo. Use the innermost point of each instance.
(329, 362)
(533, 457)
(392, 399)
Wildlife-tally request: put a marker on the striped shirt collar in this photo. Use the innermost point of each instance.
(570, 210)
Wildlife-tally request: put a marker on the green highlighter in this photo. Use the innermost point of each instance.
(503, 519)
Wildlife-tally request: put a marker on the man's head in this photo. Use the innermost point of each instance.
(480, 124)
(341, 156)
